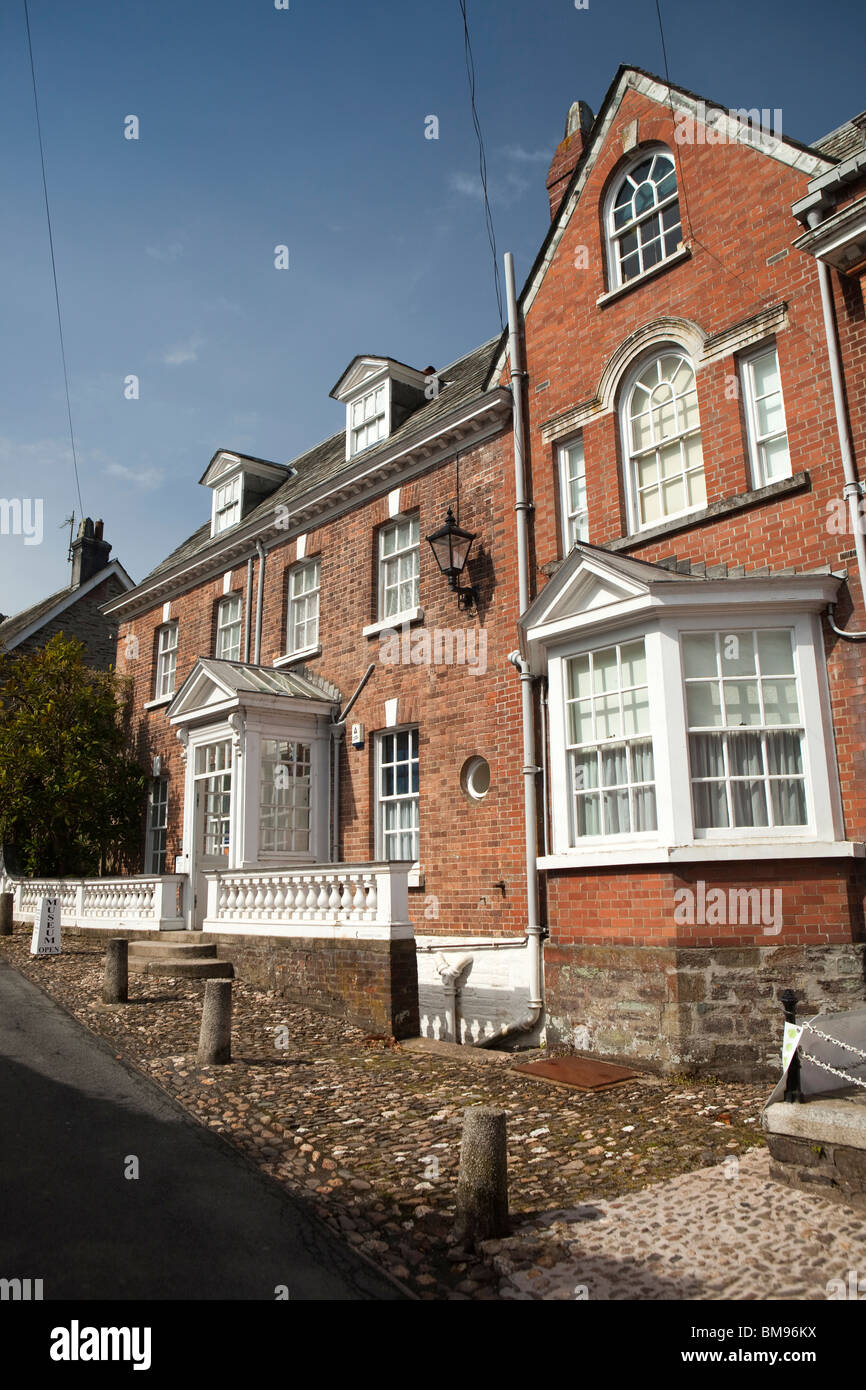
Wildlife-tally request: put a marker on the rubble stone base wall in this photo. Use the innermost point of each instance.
(708, 1010)
(831, 1170)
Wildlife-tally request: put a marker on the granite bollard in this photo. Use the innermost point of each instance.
(215, 1038)
(7, 901)
(482, 1180)
(115, 982)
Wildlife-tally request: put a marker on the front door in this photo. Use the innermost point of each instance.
(213, 804)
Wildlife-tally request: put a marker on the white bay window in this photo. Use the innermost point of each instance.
(689, 718)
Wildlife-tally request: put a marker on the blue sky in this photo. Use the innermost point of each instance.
(302, 127)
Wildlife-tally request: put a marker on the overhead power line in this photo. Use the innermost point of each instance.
(53, 262)
(482, 160)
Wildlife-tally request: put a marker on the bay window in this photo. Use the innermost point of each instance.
(284, 797)
(745, 730)
(689, 718)
(609, 745)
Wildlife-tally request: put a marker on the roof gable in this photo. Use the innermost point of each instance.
(682, 105)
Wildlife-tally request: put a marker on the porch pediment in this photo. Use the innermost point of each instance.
(219, 686)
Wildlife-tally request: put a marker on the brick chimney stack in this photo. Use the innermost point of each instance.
(567, 153)
(89, 552)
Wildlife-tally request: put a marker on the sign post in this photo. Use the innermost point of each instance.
(46, 928)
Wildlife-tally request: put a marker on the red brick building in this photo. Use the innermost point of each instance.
(679, 590)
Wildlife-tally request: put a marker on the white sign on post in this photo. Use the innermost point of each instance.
(46, 928)
(790, 1043)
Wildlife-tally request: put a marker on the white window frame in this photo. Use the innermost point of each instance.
(227, 503)
(756, 441)
(415, 797)
(386, 560)
(166, 660)
(291, 785)
(384, 414)
(307, 597)
(630, 381)
(613, 236)
(575, 523)
(232, 603)
(676, 837)
(157, 825)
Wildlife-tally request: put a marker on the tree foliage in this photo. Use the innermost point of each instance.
(71, 793)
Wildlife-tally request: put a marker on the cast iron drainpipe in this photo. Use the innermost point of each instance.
(260, 593)
(853, 490)
(338, 727)
(534, 932)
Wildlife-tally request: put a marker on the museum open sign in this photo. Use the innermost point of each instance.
(46, 928)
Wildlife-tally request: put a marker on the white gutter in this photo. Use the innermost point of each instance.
(852, 490)
(534, 930)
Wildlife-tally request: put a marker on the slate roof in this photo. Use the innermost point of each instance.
(845, 140)
(17, 622)
(10, 627)
(459, 383)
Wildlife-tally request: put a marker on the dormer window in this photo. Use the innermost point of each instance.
(369, 419)
(379, 393)
(227, 505)
(239, 483)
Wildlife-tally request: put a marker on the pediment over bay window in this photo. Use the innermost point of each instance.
(379, 394)
(239, 482)
(689, 717)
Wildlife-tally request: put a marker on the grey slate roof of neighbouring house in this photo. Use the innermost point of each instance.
(62, 599)
(460, 382)
(846, 140)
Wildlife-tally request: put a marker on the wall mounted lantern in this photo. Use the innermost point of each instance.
(451, 546)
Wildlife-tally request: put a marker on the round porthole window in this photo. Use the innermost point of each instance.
(475, 778)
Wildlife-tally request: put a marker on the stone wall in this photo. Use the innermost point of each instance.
(712, 1010)
(372, 984)
(819, 1145)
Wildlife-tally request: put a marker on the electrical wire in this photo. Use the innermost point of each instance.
(482, 161)
(53, 262)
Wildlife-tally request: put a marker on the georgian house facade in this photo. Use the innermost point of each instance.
(606, 785)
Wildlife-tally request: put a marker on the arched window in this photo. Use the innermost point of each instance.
(643, 221)
(661, 433)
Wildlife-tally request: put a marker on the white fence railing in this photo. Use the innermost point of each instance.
(149, 902)
(319, 900)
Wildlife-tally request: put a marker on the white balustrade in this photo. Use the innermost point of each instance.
(330, 894)
(150, 902)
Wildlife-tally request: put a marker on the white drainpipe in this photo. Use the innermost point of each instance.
(260, 593)
(534, 930)
(853, 489)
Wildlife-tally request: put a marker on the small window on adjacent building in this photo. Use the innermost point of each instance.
(399, 589)
(765, 416)
(572, 474)
(157, 822)
(284, 802)
(229, 624)
(397, 795)
(369, 417)
(166, 660)
(303, 621)
(226, 505)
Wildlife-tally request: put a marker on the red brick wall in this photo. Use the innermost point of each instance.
(466, 846)
(736, 210)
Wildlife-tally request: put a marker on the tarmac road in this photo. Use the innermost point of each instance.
(198, 1222)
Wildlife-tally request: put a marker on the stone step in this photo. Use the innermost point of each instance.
(169, 950)
(184, 969)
